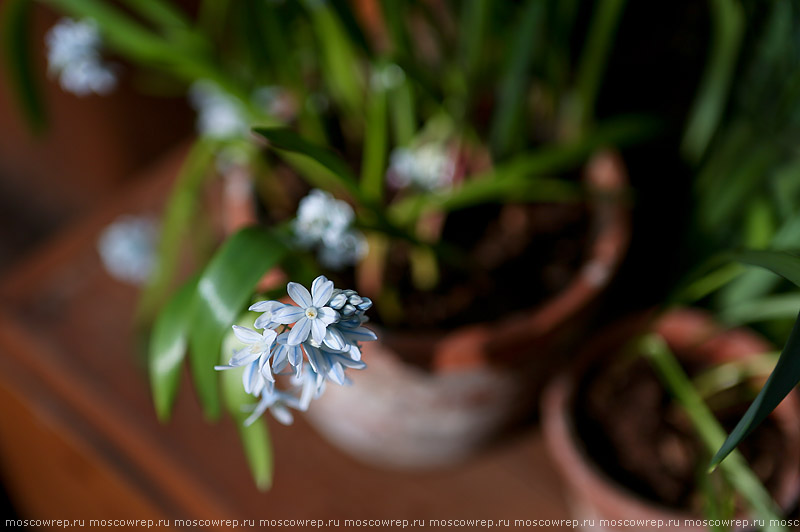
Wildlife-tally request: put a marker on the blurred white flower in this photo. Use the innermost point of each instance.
(127, 248)
(428, 167)
(219, 115)
(325, 223)
(277, 102)
(73, 54)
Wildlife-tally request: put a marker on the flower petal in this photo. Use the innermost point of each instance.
(321, 290)
(334, 339)
(317, 331)
(327, 315)
(359, 334)
(252, 379)
(288, 314)
(299, 333)
(245, 335)
(281, 413)
(299, 294)
(243, 357)
(266, 306)
(336, 373)
(295, 355)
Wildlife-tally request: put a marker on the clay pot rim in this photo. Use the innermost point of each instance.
(584, 476)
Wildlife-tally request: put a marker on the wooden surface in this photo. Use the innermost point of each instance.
(79, 439)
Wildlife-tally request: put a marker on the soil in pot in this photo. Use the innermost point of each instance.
(636, 434)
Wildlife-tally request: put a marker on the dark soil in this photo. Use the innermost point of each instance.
(640, 437)
(517, 256)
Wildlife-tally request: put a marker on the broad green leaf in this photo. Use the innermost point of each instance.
(180, 211)
(168, 344)
(287, 140)
(223, 289)
(255, 437)
(787, 372)
(16, 26)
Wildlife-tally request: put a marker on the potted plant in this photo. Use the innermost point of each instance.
(627, 451)
(458, 179)
(619, 425)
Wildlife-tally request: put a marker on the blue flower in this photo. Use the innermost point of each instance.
(73, 54)
(311, 317)
(328, 338)
(267, 308)
(255, 356)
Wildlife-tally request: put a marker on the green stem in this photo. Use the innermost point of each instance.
(712, 435)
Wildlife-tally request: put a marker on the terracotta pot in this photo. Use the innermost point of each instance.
(434, 398)
(692, 335)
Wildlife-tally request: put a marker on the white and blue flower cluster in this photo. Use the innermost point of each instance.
(327, 332)
(73, 54)
(325, 224)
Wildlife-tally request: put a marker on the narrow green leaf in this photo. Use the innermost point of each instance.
(527, 171)
(711, 433)
(168, 344)
(783, 263)
(180, 210)
(373, 167)
(784, 378)
(255, 437)
(16, 25)
(287, 140)
(787, 372)
(337, 55)
(594, 57)
(160, 12)
(526, 43)
(257, 447)
(777, 307)
(222, 290)
(727, 18)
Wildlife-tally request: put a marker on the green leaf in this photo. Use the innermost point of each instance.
(710, 432)
(16, 25)
(180, 210)
(223, 289)
(255, 437)
(783, 263)
(373, 167)
(594, 57)
(168, 349)
(786, 374)
(338, 59)
(287, 140)
(524, 173)
(527, 42)
(727, 18)
(257, 447)
(784, 378)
